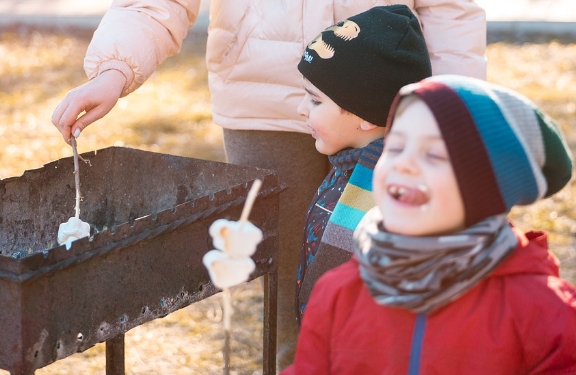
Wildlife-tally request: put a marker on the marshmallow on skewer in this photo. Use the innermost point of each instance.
(231, 264)
(75, 228)
(72, 230)
(238, 239)
(227, 272)
(235, 242)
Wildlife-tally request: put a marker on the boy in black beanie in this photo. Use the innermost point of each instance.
(352, 72)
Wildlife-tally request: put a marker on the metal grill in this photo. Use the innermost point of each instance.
(149, 216)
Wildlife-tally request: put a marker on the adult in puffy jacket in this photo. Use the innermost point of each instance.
(252, 52)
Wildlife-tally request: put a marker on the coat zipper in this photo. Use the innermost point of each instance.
(417, 340)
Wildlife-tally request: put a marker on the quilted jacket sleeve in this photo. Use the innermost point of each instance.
(135, 36)
(455, 33)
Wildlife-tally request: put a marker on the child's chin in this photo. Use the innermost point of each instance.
(399, 227)
(405, 226)
(321, 148)
(416, 228)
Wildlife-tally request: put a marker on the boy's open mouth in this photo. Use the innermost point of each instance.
(407, 194)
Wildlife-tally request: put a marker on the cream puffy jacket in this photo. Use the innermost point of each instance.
(254, 47)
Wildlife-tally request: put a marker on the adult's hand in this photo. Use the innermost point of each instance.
(87, 103)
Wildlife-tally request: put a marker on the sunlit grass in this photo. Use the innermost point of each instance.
(171, 114)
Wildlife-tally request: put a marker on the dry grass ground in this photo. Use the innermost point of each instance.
(171, 114)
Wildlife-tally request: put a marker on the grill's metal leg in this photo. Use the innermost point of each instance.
(270, 317)
(115, 356)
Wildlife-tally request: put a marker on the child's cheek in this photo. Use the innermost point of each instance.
(379, 193)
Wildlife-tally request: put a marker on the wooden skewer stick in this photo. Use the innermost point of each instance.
(76, 177)
(227, 296)
(226, 311)
(250, 200)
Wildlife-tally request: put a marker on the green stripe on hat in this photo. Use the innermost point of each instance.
(519, 114)
(557, 167)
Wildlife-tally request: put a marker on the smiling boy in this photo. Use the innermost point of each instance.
(352, 72)
(416, 182)
(440, 281)
(334, 128)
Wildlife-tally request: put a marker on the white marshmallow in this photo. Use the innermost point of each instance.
(235, 242)
(237, 238)
(71, 231)
(226, 272)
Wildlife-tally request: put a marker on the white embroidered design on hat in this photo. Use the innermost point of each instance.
(323, 49)
(347, 30)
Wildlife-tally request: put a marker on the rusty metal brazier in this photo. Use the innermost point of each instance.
(149, 216)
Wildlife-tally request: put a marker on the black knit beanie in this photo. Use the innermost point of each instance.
(362, 62)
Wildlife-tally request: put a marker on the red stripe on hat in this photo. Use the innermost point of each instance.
(470, 162)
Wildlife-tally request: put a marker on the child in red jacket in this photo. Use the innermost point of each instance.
(441, 282)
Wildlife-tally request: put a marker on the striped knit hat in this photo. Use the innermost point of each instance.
(504, 150)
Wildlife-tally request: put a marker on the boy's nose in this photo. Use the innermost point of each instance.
(406, 163)
(303, 108)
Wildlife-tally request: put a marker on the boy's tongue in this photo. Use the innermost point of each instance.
(412, 195)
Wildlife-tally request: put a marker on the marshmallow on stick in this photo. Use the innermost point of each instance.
(71, 231)
(74, 228)
(235, 241)
(230, 263)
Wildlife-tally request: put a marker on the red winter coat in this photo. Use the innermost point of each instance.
(519, 320)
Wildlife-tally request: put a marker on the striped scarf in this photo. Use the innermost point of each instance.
(337, 243)
(422, 274)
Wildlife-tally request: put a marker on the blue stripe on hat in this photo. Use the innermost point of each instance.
(512, 167)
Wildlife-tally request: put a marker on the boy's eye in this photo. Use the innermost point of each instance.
(436, 156)
(394, 150)
(315, 102)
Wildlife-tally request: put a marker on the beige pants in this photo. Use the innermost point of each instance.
(302, 169)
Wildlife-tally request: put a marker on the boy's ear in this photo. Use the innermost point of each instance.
(365, 125)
